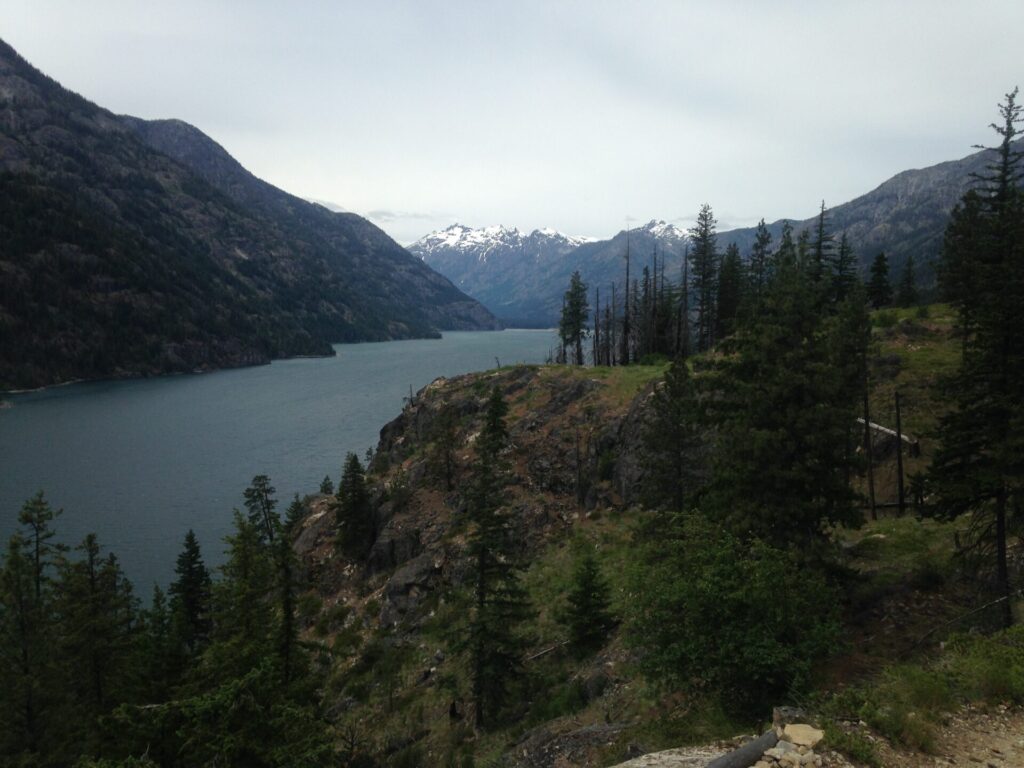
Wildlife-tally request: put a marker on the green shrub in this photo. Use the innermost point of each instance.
(852, 744)
(743, 620)
(885, 319)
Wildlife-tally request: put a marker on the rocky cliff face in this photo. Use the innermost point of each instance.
(556, 415)
(135, 247)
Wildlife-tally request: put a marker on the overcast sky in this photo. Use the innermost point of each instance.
(579, 116)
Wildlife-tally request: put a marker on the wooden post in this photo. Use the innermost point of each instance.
(899, 457)
(871, 459)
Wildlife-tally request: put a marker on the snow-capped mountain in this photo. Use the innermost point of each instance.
(521, 276)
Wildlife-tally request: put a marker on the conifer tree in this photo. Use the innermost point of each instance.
(821, 254)
(97, 617)
(783, 410)
(705, 275)
(730, 292)
(352, 509)
(446, 443)
(26, 654)
(294, 515)
(672, 438)
(844, 270)
(760, 260)
(588, 616)
(979, 466)
(786, 255)
(260, 502)
(879, 286)
(36, 518)
(906, 293)
(327, 486)
(190, 598)
(572, 327)
(493, 640)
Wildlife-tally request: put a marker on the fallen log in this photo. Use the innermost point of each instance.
(748, 754)
(915, 445)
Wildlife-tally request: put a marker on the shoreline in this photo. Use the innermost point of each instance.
(5, 404)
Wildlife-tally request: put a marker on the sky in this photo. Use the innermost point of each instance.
(582, 116)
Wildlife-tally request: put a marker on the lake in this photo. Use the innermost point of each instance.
(141, 461)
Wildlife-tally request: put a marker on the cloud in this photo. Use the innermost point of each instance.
(388, 216)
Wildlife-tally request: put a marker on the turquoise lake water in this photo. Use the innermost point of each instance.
(139, 462)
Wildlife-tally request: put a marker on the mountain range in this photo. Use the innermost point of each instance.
(521, 278)
(132, 247)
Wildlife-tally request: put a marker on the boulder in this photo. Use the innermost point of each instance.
(802, 734)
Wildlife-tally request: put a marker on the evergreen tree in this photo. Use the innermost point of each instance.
(786, 255)
(352, 509)
(783, 411)
(844, 270)
(327, 486)
(493, 640)
(572, 327)
(821, 254)
(705, 275)
(587, 615)
(730, 292)
(295, 514)
(760, 260)
(672, 440)
(243, 611)
(879, 287)
(190, 598)
(906, 293)
(36, 517)
(962, 251)
(98, 629)
(260, 502)
(979, 466)
(26, 663)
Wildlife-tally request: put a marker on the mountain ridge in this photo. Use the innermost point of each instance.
(902, 216)
(136, 247)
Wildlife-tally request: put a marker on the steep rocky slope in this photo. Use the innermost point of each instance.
(133, 247)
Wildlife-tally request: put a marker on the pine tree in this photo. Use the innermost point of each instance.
(906, 293)
(327, 486)
(821, 254)
(36, 517)
(26, 654)
(844, 270)
(97, 618)
(260, 502)
(294, 515)
(730, 292)
(190, 598)
(760, 260)
(352, 509)
(572, 327)
(493, 640)
(672, 440)
(879, 287)
(705, 276)
(587, 615)
(783, 410)
(979, 466)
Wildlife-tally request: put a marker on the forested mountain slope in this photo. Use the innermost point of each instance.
(134, 247)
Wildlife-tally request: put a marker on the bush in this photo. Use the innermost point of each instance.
(742, 620)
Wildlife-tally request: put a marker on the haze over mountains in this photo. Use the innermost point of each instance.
(140, 247)
(522, 278)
